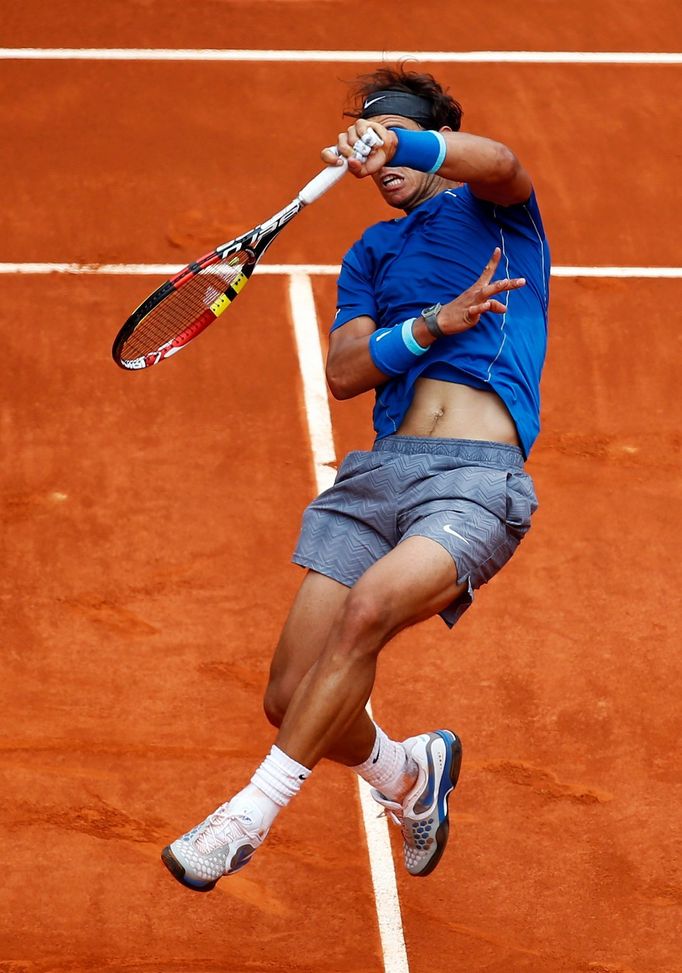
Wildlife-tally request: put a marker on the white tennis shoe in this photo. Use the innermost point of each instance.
(220, 845)
(423, 814)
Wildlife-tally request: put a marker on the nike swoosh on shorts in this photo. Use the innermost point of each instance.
(449, 530)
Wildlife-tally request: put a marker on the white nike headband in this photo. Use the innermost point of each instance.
(403, 103)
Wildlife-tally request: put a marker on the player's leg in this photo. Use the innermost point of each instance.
(365, 748)
(411, 583)
(304, 635)
(315, 609)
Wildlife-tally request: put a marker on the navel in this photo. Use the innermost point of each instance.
(437, 414)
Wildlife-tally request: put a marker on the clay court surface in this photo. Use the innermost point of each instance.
(148, 519)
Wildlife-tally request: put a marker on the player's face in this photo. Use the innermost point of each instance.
(402, 188)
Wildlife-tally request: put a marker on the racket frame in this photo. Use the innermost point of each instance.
(256, 241)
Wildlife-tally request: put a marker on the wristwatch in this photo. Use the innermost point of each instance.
(430, 315)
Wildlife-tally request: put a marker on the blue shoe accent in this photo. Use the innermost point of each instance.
(178, 872)
(446, 786)
(423, 815)
(243, 857)
(221, 845)
(425, 800)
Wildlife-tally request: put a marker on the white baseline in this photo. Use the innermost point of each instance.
(314, 270)
(361, 57)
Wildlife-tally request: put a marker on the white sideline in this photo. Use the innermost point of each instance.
(318, 416)
(311, 363)
(434, 57)
(326, 270)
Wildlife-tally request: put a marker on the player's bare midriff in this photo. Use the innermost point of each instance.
(446, 410)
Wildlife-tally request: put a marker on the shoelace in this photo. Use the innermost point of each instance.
(397, 818)
(221, 827)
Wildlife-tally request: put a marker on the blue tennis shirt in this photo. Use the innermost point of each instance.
(430, 256)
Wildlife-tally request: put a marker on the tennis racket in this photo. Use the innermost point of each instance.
(184, 306)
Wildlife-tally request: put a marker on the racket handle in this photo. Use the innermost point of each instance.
(330, 176)
(323, 181)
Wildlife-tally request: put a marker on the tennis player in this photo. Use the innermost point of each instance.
(442, 501)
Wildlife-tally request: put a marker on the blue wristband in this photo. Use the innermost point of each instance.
(394, 350)
(409, 339)
(424, 151)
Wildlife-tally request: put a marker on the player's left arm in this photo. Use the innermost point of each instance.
(491, 170)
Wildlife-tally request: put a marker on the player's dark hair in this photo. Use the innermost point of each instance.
(446, 111)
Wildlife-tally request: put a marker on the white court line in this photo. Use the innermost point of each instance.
(314, 385)
(154, 270)
(616, 272)
(322, 270)
(322, 444)
(440, 57)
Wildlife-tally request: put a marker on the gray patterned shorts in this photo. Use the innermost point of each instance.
(473, 498)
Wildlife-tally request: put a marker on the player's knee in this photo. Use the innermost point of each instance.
(275, 703)
(366, 619)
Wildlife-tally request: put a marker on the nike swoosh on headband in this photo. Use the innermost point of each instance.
(368, 103)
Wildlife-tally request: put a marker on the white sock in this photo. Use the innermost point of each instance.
(276, 781)
(389, 767)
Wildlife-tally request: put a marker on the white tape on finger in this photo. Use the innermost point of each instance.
(361, 149)
(371, 138)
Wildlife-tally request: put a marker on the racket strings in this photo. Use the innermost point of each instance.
(180, 312)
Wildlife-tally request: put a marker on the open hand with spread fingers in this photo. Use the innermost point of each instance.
(464, 312)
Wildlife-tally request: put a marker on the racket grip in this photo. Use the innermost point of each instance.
(330, 176)
(323, 181)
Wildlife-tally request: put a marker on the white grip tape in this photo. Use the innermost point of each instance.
(324, 180)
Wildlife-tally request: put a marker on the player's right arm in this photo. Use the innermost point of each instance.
(350, 367)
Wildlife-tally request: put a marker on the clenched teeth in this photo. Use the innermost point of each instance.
(390, 178)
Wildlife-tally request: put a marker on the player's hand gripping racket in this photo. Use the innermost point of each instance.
(184, 306)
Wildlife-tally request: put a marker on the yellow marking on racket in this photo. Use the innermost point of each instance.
(220, 305)
(238, 283)
(224, 301)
